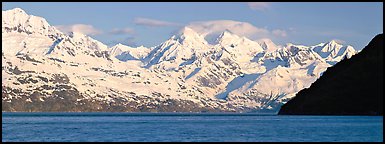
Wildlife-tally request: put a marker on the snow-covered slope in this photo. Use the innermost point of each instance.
(334, 52)
(74, 72)
(84, 41)
(125, 53)
(267, 45)
(242, 49)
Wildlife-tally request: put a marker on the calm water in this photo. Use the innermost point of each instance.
(187, 127)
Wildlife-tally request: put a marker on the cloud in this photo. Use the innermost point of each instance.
(123, 31)
(280, 33)
(214, 28)
(260, 6)
(80, 28)
(153, 22)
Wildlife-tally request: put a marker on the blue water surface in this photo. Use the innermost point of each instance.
(221, 127)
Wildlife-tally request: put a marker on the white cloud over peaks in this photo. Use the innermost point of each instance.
(80, 28)
(214, 28)
(118, 31)
(261, 6)
(279, 33)
(153, 22)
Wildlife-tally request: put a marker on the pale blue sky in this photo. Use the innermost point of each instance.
(151, 23)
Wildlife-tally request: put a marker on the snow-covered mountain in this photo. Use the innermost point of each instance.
(47, 70)
(27, 33)
(333, 51)
(179, 50)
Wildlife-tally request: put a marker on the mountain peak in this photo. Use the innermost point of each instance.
(330, 46)
(76, 34)
(17, 10)
(14, 15)
(188, 34)
(226, 37)
(17, 20)
(288, 45)
(87, 41)
(227, 34)
(187, 31)
(121, 46)
(267, 44)
(334, 42)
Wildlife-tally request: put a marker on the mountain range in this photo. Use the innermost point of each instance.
(44, 69)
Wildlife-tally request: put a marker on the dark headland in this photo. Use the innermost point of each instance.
(351, 87)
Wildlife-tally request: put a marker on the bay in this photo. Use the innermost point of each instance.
(188, 127)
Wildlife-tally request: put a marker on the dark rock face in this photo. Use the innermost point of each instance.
(352, 87)
(68, 99)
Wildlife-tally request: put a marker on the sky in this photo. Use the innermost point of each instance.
(151, 23)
